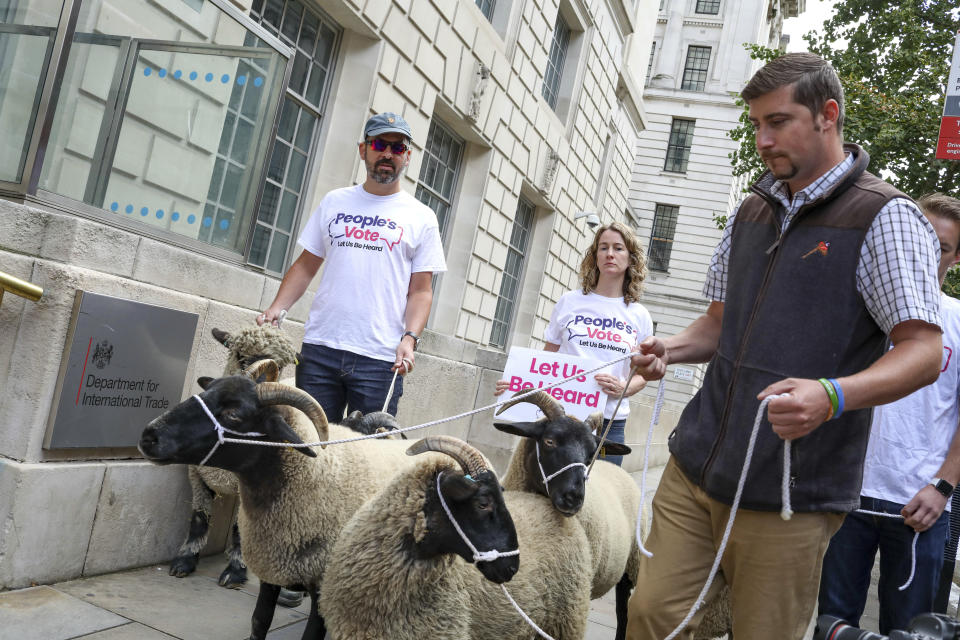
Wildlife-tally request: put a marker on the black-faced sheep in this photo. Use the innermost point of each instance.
(246, 346)
(387, 578)
(606, 506)
(293, 500)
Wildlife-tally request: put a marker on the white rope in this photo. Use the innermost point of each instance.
(432, 423)
(913, 550)
(406, 369)
(610, 420)
(219, 428)
(785, 511)
(733, 512)
(547, 479)
(527, 619)
(654, 420)
(478, 556)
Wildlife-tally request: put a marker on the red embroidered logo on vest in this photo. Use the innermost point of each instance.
(821, 248)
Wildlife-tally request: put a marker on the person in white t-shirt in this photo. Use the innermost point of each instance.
(912, 467)
(604, 318)
(381, 247)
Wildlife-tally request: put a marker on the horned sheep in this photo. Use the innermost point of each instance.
(293, 500)
(389, 578)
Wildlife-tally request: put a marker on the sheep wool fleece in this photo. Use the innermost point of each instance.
(375, 588)
(370, 245)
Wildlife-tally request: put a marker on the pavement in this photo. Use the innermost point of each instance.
(149, 604)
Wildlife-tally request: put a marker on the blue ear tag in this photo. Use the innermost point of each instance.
(467, 476)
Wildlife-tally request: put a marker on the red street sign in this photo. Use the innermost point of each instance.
(948, 144)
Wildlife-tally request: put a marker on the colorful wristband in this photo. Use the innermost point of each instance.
(839, 391)
(832, 394)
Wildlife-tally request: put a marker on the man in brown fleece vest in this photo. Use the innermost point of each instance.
(816, 269)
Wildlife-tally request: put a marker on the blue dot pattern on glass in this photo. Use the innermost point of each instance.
(162, 73)
(208, 77)
(174, 216)
(193, 75)
(241, 80)
(224, 224)
(225, 78)
(177, 74)
(257, 81)
(147, 71)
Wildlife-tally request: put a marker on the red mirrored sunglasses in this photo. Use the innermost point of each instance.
(380, 145)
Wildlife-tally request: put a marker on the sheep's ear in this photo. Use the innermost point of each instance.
(221, 336)
(614, 448)
(204, 382)
(355, 414)
(458, 487)
(522, 429)
(280, 431)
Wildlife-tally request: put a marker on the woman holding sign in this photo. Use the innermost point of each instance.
(604, 318)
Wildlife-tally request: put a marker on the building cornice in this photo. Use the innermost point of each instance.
(700, 22)
(692, 97)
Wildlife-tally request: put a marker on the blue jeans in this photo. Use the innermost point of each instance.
(615, 435)
(340, 379)
(847, 565)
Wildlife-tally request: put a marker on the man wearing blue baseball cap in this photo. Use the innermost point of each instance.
(381, 247)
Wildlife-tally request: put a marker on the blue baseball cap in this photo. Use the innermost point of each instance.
(386, 123)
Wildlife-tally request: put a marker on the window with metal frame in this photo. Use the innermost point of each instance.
(653, 51)
(168, 135)
(695, 68)
(558, 53)
(661, 237)
(512, 273)
(711, 7)
(487, 7)
(439, 171)
(316, 40)
(678, 147)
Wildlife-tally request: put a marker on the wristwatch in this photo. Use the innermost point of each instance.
(944, 487)
(416, 338)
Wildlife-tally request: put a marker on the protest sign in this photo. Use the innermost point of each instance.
(531, 368)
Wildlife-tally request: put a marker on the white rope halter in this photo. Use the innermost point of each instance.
(548, 478)
(220, 429)
(478, 556)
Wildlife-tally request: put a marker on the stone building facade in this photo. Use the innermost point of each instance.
(168, 151)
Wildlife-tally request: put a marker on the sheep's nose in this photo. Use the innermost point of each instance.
(571, 501)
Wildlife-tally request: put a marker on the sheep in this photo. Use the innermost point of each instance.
(606, 506)
(245, 347)
(394, 572)
(293, 500)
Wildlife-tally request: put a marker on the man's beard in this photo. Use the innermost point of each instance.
(384, 178)
(781, 175)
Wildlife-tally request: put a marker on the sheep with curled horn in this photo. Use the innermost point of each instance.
(607, 504)
(401, 571)
(294, 500)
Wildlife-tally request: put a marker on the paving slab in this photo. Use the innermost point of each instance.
(192, 608)
(44, 613)
(129, 631)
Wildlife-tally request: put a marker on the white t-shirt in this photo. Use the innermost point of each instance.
(909, 438)
(601, 328)
(370, 245)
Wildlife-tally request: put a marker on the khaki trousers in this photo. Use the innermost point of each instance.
(771, 566)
